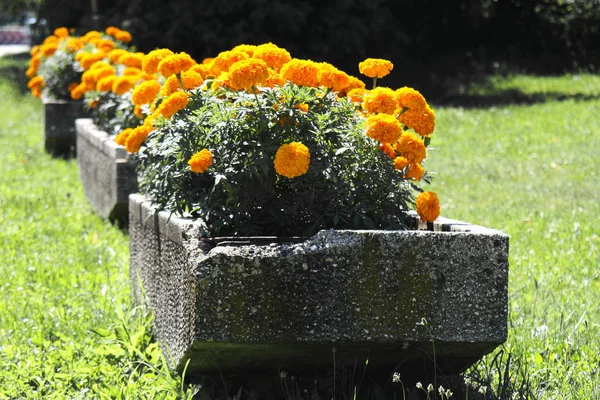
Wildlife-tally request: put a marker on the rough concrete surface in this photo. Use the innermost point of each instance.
(249, 304)
(59, 126)
(107, 173)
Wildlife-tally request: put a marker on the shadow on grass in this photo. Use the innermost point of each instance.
(507, 97)
(12, 70)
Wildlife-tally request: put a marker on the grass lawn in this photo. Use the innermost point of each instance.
(68, 330)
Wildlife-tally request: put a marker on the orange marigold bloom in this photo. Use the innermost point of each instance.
(50, 39)
(172, 104)
(415, 171)
(61, 32)
(132, 71)
(145, 92)
(274, 79)
(115, 54)
(49, 48)
(123, 36)
(137, 111)
(132, 59)
(273, 55)
(292, 160)
(105, 84)
(353, 83)
(411, 99)
(175, 64)
(381, 100)
(201, 161)
(302, 107)
(422, 122)
(247, 73)
(356, 95)
(78, 91)
(400, 162)
(428, 206)
(87, 59)
(36, 81)
(170, 86)
(202, 69)
(34, 50)
(225, 60)
(152, 59)
(384, 128)
(88, 79)
(331, 77)
(301, 72)
(375, 67)
(191, 79)
(74, 44)
(100, 73)
(388, 150)
(412, 147)
(221, 80)
(244, 48)
(105, 45)
(91, 35)
(122, 85)
(136, 137)
(111, 30)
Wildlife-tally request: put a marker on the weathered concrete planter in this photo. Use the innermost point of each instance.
(251, 304)
(59, 126)
(107, 173)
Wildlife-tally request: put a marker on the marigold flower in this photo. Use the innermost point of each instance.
(132, 59)
(36, 81)
(400, 162)
(111, 30)
(74, 44)
(170, 86)
(137, 111)
(49, 49)
(78, 91)
(244, 48)
(50, 39)
(353, 83)
(136, 137)
(105, 45)
(201, 161)
(145, 92)
(105, 84)
(91, 35)
(428, 206)
(384, 128)
(225, 60)
(415, 171)
(172, 104)
(411, 99)
(35, 50)
(221, 80)
(388, 150)
(152, 59)
(87, 59)
(302, 107)
(122, 85)
(175, 64)
(115, 54)
(273, 55)
(292, 160)
(356, 95)
(202, 69)
(411, 147)
(331, 77)
(100, 73)
(381, 100)
(273, 80)
(123, 36)
(375, 67)
(301, 72)
(247, 73)
(422, 122)
(36, 92)
(191, 79)
(61, 32)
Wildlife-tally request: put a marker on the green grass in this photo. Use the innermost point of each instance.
(68, 330)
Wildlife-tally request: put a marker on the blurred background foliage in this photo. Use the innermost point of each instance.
(435, 46)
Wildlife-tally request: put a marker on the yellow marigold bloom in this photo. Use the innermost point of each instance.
(302, 107)
(384, 128)
(34, 50)
(49, 48)
(422, 122)
(145, 92)
(274, 79)
(191, 79)
(105, 45)
(137, 111)
(115, 54)
(428, 206)
(111, 30)
(273, 55)
(30, 72)
(123, 36)
(136, 137)
(132, 59)
(388, 150)
(91, 35)
(202, 69)
(411, 99)
(100, 73)
(353, 83)
(400, 162)
(149, 120)
(175, 64)
(412, 147)
(152, 59)
(415, 171)
(301, 72)
(132, 71)
(247, 73)
(201, 161)
(88, 79)
(170, 86)
(331, 77)
(36, 81)
(225, 60)
(74, 44)
(105, 84)
(121, 85)
(172, 104)
(100, 64)
(356, 95)
(50, 39)
(78, 91)
(208, 60)
(221, 80)
(381, 100)
(375, 67)
(61, 32)
(292, 160)
(244, 48)
(87, 59)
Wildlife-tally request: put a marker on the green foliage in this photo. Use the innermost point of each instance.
(350, 183)
(59, 71)
(111, 112)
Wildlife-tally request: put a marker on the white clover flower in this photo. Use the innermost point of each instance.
(430, 388)
(396, 377)
(419, 385)
(483, 389)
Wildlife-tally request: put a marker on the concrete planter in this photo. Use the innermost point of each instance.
(107, 173)
(235, 305)
(59, 126)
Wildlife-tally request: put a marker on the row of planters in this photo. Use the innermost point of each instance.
(269, 202)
